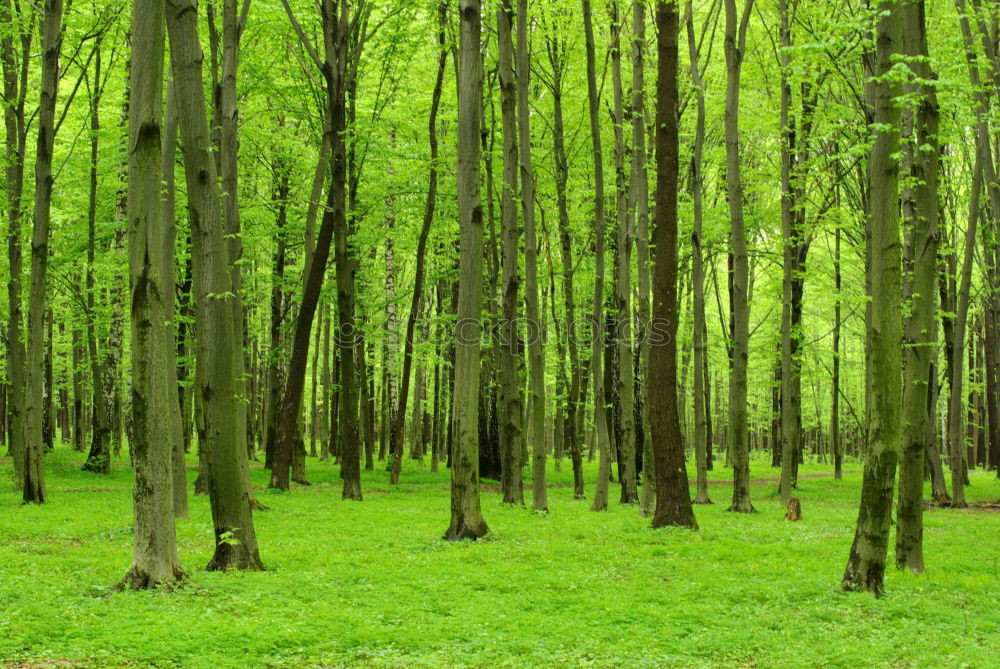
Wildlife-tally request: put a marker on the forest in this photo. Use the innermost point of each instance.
(422, 333)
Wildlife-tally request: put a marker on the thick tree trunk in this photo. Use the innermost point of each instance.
(673, 498)
(51, 32)
(155, 561)
(739, 448)
(466, 516)
(866, 563)
(230, 497)
(920, 208)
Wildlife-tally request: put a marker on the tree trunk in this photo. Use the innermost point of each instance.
(536, 353)
(622, 334)
(556, 48)
(673, 498)
(701, 405)
(920, 208)
(168, 149)
(510, 407)
(232, 515)
(600, 502)
(866, 564)
(51, 33)
(396, 439)
(15, 70)
(155, 561)
(735, 41)
(466, 516)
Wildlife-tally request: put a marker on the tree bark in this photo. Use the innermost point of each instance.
(575, 402)
(178, 465)
(920, 208)
(735, 41)
(51, 33)
(155, 561)
(232, 515)
(396, 439)
(622, 334)
(536, 352)
(600, 502)
(866, 563)
(15, 73)
(466, 516)
(701, 404)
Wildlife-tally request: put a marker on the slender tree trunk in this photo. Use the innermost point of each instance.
(701, 404)
(78, 427)
(536, 353)
(600, 502)
(396, 439)
(466, 516)
(170, 289)
(866, 563)
(511, 408)
(274, 377)
(835, 440)
(556, 48)
(735, 41)
(15, 70)
(231, 500)
(622, 334)
(34, 473)
(155, 561)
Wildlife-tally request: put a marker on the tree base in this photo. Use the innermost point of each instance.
(167, 578)
(794, 510)
(460, 530)
(702, 499)
(228, 556)
(352, 490)
(743, 506)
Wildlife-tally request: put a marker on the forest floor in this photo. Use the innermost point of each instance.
(371, 584)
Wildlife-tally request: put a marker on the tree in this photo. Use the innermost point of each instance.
(15, 68)
(921, 156)
(673, 499)
(232, 515)
(155, 561)
(600, 502)
(396, 439)
(34, 471)
(510, 413)
(866, 563)
(735, 41)
(701, 407)
(536, 356)
(466, 516)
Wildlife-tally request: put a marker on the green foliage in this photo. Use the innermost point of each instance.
(373, 584)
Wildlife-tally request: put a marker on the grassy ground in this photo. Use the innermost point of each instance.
(372, 584)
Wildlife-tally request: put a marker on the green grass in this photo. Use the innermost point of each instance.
(372, 583)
